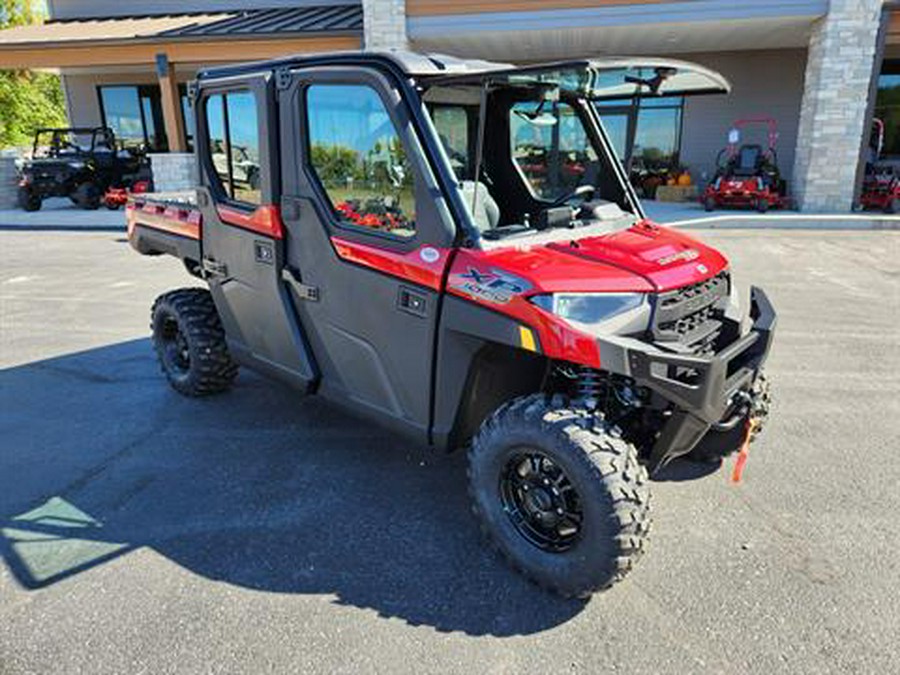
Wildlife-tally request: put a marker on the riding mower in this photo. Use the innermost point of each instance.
(881, 185)
(747, 176)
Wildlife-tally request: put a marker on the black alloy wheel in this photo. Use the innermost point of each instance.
(541, 501)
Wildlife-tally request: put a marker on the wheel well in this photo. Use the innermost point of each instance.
(497, 373)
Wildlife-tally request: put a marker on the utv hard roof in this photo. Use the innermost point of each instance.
(409, 63)
(607, 77)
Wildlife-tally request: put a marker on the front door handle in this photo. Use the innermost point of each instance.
(411, 302)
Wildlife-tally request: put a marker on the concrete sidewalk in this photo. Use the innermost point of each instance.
(691, 214)
(59, 213)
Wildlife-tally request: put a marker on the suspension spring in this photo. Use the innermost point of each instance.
(589, 385)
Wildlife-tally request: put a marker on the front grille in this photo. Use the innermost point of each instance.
(691, 316)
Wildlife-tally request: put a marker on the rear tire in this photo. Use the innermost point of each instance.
(762, 205)
(190, 343)
(578, 467)
(709, 204)
(716, 445)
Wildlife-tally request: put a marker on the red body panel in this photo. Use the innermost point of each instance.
(644, 258)
(423, 266)
(184, 222)
(265, 219)
(743, 193)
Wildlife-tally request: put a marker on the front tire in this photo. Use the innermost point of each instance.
(29, 200)
(190, 343)
(559, 494)
(87, 196)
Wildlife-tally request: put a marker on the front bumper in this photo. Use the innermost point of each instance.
(706, 397)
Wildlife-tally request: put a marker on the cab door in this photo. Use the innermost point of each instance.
(242, 236)
(368, 239)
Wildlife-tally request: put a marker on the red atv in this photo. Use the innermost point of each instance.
(747, 175)
(881, 185)
(535, 317)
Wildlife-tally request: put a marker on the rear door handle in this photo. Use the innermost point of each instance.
(411, 302)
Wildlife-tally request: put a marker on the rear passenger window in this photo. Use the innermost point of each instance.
(358, 157)
(231, 122)
(452, 125)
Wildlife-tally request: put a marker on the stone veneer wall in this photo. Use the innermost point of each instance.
(384, 24)
(839, 69)
(174, 171)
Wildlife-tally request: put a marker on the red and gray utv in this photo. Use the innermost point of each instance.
(452, 249)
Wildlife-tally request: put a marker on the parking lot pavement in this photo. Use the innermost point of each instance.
(255, 531)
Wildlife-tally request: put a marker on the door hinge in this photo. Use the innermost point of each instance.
(214, 268)
(282, 79)
(305, 291)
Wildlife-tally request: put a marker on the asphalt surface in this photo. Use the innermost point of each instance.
(259, 532)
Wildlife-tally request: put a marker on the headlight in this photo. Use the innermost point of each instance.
(76, 165)
(593, 309)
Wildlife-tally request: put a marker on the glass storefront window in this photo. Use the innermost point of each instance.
(887, 108)
(656, 128)
(134, 113)
(123, 114)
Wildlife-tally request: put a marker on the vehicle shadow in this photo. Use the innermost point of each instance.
(254, 488)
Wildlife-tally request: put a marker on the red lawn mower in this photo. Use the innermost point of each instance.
(116, 197)
(881, 185)
(747, 176)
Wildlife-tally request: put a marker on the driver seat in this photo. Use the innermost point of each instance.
(487, 213)
(748, 162)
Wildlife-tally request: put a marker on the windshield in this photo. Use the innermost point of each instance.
(65, 143)
(551, 148)
(542, 162)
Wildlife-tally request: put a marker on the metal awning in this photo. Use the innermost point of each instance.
(255, 23)
(194, 38)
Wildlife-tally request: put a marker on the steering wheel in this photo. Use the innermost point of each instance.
(583, 191)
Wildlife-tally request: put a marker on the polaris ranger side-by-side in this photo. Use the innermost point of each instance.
(452, 248)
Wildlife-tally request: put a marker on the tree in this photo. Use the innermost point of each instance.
(28, 100)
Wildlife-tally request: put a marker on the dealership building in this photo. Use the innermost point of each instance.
(822, 69)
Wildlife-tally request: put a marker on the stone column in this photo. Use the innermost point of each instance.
(174, 171)
(384, 24)
(839, 69)
(9, 181)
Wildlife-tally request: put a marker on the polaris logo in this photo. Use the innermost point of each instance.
(686, 254)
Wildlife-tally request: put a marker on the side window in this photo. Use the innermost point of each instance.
(452, 125)
(231, 122)
(358, 157)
